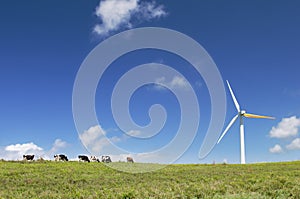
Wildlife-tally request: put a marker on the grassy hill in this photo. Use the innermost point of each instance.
(95, 180)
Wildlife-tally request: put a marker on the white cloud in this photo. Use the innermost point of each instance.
(276, 149)
(176, 83)
(199, 84)
(16, 151)
(102, 144)
(134, 133)
(23, 147)
(295, 145)
(287, 127)
(58, 144)
(116, 14)
(95, 139)
(89, 136)
(160, 80)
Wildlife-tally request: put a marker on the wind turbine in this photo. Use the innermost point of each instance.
(240, 114)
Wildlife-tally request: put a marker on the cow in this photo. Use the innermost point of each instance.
(28, 157)
(130, 159)
(83, 158)
(106, 159)
(41, 159)
(94, 159)
(60, 157)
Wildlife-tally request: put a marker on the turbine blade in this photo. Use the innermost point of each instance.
(237, 106)
(228, 127)
(258, 116)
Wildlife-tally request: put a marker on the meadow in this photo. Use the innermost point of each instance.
(49, 179)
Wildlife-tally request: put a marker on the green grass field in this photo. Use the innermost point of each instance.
(95, 180)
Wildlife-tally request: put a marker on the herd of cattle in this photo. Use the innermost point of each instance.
(81, 158)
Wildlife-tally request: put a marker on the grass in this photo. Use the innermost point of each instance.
(95, 180)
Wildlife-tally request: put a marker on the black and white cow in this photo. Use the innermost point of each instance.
(130, 159)
(94, 159)
(60, 157)
(106, 159)
(83, 158)
(28, 157)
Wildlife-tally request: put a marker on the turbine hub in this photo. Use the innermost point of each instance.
(242, 112)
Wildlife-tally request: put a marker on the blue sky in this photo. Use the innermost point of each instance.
(254, 44)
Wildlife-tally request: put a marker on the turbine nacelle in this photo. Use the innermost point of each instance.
(242, 112)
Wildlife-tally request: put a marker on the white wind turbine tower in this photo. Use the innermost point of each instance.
(240, 114)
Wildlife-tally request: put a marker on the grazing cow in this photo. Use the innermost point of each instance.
(106, 159)
(130, 159)
(94, 159)
(41, 159)
(83, 158)
(28, 157)
(60, 157)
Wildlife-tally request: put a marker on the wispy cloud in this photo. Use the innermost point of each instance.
(292, 92)
(116, 14)
(134, 133)
(276, 149)
(176, 83)
(287, 127)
